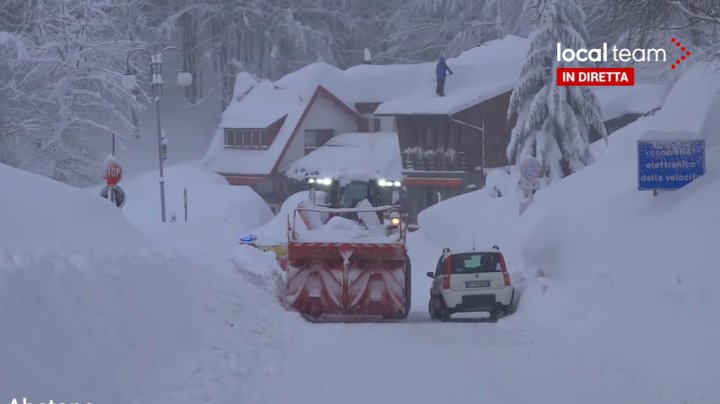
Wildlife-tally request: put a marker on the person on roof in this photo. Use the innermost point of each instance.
(440, 70)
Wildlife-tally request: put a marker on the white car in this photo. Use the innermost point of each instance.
(471, 281)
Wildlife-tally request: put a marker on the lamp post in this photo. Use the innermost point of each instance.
(184, 79)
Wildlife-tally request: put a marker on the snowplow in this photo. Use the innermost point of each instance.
(347, 257)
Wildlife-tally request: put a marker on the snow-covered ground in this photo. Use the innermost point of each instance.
(95, 310)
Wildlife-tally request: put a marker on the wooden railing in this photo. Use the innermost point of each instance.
(441, 159)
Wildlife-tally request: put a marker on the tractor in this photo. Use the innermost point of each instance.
(347, 257)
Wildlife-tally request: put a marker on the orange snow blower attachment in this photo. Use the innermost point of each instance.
(347, 269)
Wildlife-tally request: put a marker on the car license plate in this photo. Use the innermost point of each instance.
(477, 284)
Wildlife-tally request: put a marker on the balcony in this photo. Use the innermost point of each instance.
(435, 160)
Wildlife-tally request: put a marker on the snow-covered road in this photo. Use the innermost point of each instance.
(411, 362)
(414, 361)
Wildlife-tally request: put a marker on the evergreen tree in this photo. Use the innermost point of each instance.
(554, 123)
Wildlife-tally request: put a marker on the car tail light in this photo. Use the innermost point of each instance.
(448, 272)
(506, 275)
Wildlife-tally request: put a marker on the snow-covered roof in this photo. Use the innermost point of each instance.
(266, 102)
(479, 74)
(616, 101)
(355, 156)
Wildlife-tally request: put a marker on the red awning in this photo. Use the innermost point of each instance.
(234, 179)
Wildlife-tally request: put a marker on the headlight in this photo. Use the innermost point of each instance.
(395, 219)
(327, 181)
(311, 181)
(397, 183)
(382, 183)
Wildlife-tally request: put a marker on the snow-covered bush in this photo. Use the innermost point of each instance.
(497, 183)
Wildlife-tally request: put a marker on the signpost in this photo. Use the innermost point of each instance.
(113, 175)
(115, 194)
(113, 172)
(669, 164)
(531, 171)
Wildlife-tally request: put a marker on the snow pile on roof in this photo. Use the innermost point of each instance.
(479, 74)
(244, 82)
(610, 265)
(370, 156)
(616, 101)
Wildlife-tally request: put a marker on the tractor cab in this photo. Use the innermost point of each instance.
(342, 194)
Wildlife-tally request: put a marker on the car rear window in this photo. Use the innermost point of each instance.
(472, 263)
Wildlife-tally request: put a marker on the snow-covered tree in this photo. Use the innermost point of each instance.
(11, 51)
(554, 123)
(68, 90)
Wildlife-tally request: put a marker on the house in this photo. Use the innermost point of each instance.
(270, 125)
(447, 143)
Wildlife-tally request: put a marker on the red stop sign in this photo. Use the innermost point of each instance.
(113, 173)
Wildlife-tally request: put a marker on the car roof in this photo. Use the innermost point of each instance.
(474, 251)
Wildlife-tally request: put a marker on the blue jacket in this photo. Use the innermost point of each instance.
(441, 69)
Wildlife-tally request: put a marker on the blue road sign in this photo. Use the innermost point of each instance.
(669, 164)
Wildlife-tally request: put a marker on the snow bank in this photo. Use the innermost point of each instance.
(79, 291)
(375, 155)
(36, 212)
(616, 101)
(212, 202)
(616, 279)
(94, 310)
(475, 218)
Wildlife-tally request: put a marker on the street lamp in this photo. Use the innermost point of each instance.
(129, 81)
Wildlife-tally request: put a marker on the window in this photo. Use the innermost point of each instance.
(246, 138)
(440, 268)
(315, 138)
(377, 126)
(371, 123)
(353, 193)
(473, 263)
